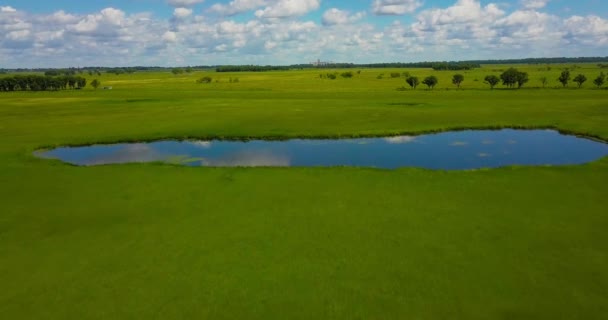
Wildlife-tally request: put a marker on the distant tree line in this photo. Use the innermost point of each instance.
(81, 70)
(41, 83)
(434, 65)
(251, 68)
(437, 65)
(542, 60)
(177, 71)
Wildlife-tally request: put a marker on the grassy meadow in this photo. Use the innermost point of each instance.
(160, 241)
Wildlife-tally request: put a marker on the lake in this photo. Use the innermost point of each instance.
(455, 150)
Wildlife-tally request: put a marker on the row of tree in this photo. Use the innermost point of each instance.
(511, 78)
(430, 81)
(177, 71)
(41, 83)
(564, 79)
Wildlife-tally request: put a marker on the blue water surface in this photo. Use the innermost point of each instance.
(457, 150)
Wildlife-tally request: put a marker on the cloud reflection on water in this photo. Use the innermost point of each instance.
(250, 159)
(400, 139)
(201, 144)
(139, 152)
(444, 150)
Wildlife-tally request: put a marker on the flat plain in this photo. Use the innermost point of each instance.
(165, 241)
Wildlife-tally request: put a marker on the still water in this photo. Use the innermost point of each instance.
(448, 150)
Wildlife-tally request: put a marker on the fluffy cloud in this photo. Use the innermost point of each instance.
(184, 3)
(7, 9)
(288, 8)
(61, 39)
(181, 13)
(169, 36)
(237, 6)
(395, 7)
(588, 31)
(279, 35)
(106, 19)
(534, 4)
(336, 16)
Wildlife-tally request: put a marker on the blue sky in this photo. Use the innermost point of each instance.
(161, 8)
(195, 32)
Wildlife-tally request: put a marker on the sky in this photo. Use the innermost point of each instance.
(67, 33)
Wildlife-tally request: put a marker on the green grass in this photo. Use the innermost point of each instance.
(161, 241)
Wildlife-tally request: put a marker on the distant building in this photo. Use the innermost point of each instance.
(320, 63)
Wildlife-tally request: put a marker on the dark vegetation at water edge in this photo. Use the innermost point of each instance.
(41, 83)
(287, 137)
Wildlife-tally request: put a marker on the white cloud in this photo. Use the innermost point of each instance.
(184, 3)
(7, 9)
(534, 4)
(107, 20)
(112, 16)
(170, 36)
(463, 11)
(181, 13)
(237, 6)
(19, 35)
(465, 30)
(62, 17)
(336, 16)
(590, 30)
(288, 8)
(395, 7)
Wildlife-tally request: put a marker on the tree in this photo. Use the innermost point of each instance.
(412, 81)
(512, 77)
(189, 69)
(347, 74)
(430, 81)
(522, 78)
(492, 80)
(457, 79)
(177, 71)
(564, 78)
(580, 79)
(544, 80)
(205, 79)
(509, 77)
(599, 81)
(81, 82)
(95, 84)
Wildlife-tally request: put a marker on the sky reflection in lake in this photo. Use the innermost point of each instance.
(449, 150)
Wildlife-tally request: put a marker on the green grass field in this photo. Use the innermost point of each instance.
(159, 241)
